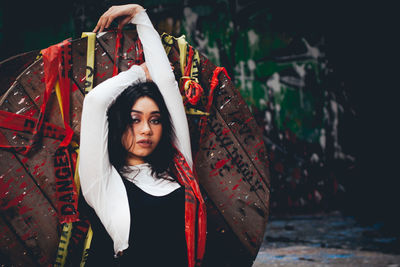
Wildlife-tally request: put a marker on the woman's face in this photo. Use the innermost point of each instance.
(143, 136)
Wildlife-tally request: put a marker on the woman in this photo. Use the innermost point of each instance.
(135, 170)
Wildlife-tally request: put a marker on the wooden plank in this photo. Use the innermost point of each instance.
(76, 110)
(79, 48)
(223, 247)
(130, 53)
(232, 167)
(13, 251)
(10, 68)
(234, 111)
(231, 181)
(27, 211)
(40, 163)
(104, 59)
(32, 83)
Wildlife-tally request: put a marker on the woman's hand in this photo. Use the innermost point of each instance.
(126, 12)
(146, 71)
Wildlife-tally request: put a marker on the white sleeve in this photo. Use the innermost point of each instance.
(161, 72)
(101, 184)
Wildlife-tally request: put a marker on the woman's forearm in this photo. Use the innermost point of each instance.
(95, 167)
(161, 72)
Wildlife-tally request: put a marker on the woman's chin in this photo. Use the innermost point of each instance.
(139, 156)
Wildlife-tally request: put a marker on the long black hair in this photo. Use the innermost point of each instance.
(119, 120)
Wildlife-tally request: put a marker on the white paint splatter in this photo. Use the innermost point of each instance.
(251, 64)
(274, 83)
(314, 158)
(22, 110)
(253, 37)
(22, 100)
(300, 69)
(312, 51)
(100, 34)
(277, 108)
(268, 117)
(322, 139)
(241, 73)
(190, 19)
(205, 47)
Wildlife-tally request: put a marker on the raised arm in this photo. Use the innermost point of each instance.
(94, 161)
(158, 65)
(101, 184)
(161, 72)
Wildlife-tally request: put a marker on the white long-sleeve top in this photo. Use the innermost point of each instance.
(101, 184)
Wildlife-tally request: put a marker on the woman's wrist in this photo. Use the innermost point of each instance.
(135, 9)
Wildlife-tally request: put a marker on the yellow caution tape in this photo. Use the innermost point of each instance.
(193, 111)
(86, 246)
(88, 86)
(62, 250)
(182, 44)
(58, 93)
(168, 41)
(89, 235)
(91, 41)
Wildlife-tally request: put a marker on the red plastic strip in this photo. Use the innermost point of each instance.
(116, 51)
(193, 199)
(26, 124)
(57, 65)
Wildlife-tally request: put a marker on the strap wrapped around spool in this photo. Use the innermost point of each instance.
(229, 153)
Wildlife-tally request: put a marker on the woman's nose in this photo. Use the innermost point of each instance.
(146, 129)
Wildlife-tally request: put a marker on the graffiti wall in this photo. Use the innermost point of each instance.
(280, 59)
(286, 78)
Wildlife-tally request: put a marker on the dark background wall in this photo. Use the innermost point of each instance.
(317, 77)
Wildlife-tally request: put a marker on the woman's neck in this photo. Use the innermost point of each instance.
(132, 161)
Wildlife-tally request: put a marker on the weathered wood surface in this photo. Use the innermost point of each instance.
(12, 66)
(230, 160)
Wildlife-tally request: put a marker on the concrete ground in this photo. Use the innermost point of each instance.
(326, 240)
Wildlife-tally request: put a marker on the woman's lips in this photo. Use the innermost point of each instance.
(144, 143)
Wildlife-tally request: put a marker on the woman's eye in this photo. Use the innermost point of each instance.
(155, 121)
(135, 120)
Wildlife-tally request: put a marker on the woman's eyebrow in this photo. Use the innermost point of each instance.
(141, 112)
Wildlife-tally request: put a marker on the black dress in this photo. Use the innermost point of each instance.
(157, 236)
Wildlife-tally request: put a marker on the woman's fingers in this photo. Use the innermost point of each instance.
(125, 11)
(108, 22)
(100, 24)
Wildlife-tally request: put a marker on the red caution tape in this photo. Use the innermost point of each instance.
(26, 124)
(57, 64)
(193, 90)
(57, 61)
(193, 202)
(116, 51)
(213, 85)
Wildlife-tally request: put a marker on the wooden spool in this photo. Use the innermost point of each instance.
(230, 160)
